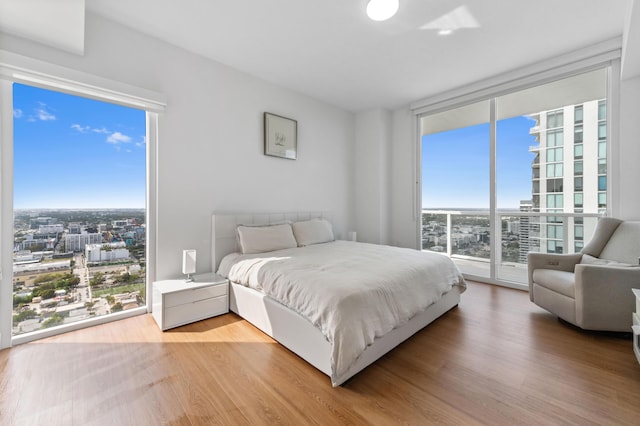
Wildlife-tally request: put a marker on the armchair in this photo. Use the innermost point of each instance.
(591, 289)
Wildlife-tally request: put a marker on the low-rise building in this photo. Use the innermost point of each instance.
(109, 252)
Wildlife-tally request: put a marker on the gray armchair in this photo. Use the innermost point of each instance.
(591, 289)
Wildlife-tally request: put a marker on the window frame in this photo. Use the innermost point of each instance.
(601, 56)
(19, 69)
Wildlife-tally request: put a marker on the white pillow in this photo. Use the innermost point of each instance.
(260, 239)
(314, 231)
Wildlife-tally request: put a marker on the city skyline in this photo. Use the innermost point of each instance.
(72, 152)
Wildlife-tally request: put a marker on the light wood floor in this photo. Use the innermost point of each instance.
(496, 359)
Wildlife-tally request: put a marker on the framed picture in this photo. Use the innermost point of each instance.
(280, 136)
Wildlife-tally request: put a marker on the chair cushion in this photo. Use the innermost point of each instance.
(590, 260)
(624, 244)
(559, 281)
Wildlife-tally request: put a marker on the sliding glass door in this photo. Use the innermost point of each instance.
(537, 184)
(456, 186)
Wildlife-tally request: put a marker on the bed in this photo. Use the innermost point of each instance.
(315, 299)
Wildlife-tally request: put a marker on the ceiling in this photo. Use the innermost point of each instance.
(330, 50)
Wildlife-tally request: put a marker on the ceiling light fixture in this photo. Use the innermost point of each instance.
(381, 10)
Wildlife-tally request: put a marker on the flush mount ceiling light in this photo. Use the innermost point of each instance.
(381, 10)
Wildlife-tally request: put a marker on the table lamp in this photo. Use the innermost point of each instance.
(188, 264)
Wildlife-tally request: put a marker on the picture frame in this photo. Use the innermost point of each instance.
(280, 136)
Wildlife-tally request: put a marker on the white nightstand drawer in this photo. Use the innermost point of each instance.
(190, 312)
(192, 295)
(177, 302)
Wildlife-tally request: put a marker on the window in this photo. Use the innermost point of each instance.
(577, 151)
(554, 246)
(554, 231)
(554, 201)
(577, 184)
(602, 199)
(602, 110)
(554, 155)
(555, 138)
(554, 170)
(602, 131)
(554, 185)
(577, 168)
(578, 199)
(579, 245)
(577, 114)
(554, 119)
(602, 149)
(577, 134)
(94, 230)
(578, 232)
(602, 183)
(48, 136)
(602, 166)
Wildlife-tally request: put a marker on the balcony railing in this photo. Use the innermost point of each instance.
(466, 237)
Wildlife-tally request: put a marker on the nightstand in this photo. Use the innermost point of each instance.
(177, 302)
(636, 324)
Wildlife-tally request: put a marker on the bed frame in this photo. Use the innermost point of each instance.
(288, 327)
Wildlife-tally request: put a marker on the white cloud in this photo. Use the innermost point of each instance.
(17, 113)
(44, 115)
(118, 138)
(80, 129)
(101, 130)
(142, 142)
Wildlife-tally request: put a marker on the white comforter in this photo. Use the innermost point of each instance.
(353, 292)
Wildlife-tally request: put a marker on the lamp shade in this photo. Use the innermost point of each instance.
(188, 261)
(381, 10)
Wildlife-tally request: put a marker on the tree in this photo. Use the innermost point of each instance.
(55, 319)
(24, 315)
(45, 278)
(17, 300)
(117, 307)
(97, 280)
(48, 293)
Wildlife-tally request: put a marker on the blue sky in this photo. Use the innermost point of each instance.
(73, 152)
(455, 166)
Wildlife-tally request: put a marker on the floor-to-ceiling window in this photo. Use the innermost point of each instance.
(542, 167)
(78, 201)
(79, 213)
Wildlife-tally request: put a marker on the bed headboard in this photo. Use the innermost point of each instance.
(223, 228)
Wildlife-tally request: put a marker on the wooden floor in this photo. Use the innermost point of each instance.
(496, 359)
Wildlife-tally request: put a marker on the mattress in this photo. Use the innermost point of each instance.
(352, 292)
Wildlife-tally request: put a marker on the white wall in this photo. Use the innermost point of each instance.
(371, 176)
(210, 148)
(403, 214)
(629, 149)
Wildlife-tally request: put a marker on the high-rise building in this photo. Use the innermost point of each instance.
(524, 232)
(77, 242)
(569, 173)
